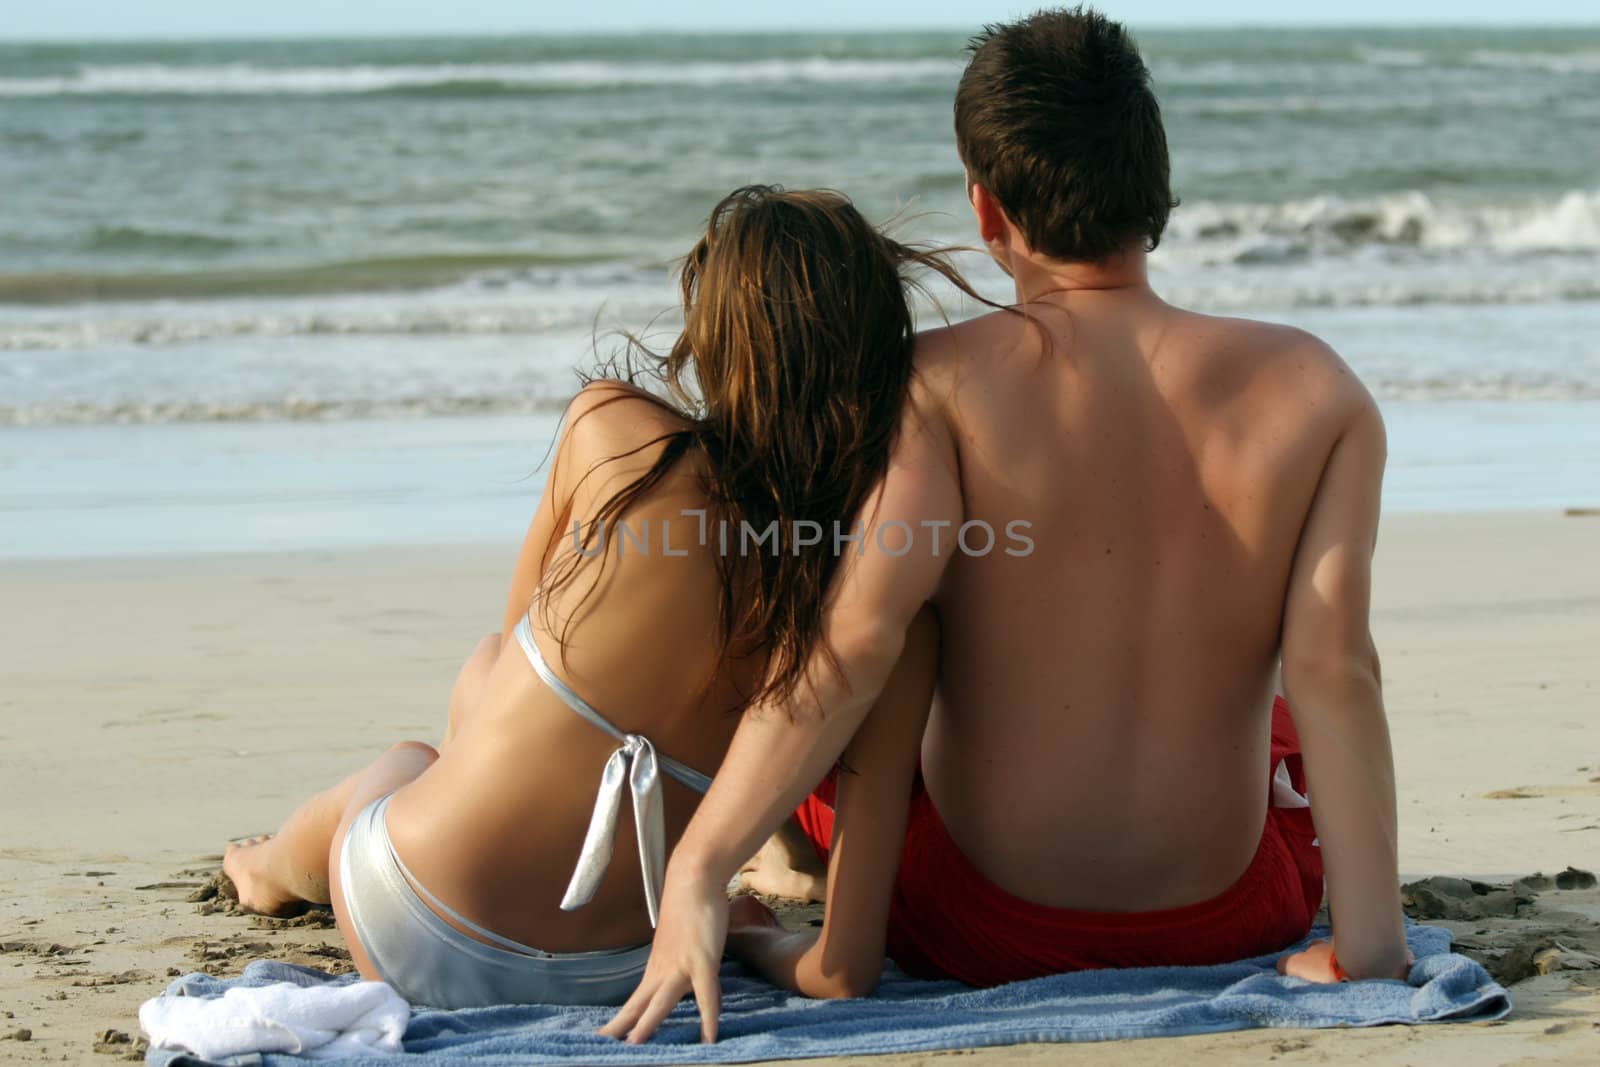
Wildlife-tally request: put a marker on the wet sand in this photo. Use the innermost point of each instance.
(152, 709)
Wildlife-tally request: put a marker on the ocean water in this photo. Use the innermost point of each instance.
(291, 232)
(175, 488)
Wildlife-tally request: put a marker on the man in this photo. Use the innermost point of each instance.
(1202, 497)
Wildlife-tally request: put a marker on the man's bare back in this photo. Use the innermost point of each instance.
(1098, 742)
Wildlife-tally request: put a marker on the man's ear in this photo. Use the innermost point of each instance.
(993, 226)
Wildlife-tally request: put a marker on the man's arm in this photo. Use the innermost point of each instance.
(1331, 680)
(780, 753)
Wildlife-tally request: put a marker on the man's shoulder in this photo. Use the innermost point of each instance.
(945, 347)
(1279, 355)
(1256, 334)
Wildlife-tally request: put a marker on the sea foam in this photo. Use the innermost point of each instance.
(245, 79)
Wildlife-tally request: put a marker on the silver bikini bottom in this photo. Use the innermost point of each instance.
(429, 962)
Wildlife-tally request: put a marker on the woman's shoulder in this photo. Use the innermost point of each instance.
(610, 417)
(613, 430)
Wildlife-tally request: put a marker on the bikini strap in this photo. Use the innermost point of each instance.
(635, 767)
(681, 771)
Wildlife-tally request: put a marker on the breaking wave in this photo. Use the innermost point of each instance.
(1328, 224)
(246, 79)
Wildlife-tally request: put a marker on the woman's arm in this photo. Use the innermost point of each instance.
(576, 451)
(845, 958)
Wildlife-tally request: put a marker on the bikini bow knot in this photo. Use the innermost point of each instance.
(632, 767)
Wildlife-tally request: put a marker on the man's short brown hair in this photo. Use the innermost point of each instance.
(1056, 118)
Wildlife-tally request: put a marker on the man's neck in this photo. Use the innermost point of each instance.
(1040, 279)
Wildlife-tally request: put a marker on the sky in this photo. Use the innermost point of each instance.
(209, 18)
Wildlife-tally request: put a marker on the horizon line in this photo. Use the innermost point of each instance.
(223, 37)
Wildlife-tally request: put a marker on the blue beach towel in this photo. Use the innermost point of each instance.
(760, 1022)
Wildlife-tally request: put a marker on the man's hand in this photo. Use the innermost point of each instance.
(1315, 964)
(684, 958)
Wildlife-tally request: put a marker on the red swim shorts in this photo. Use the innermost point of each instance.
(948, 920)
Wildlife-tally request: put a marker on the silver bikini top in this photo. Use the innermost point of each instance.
(636, 766)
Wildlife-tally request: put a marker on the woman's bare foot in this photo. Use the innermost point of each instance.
(248, 864)
(786, 867)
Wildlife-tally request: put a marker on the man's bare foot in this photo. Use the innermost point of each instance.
(248, 864)
(787, 866)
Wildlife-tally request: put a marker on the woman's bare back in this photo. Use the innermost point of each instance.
(495, 826)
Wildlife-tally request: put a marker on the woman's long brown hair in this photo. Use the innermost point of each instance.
(791, 373)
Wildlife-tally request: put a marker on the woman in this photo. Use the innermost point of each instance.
(646, 585)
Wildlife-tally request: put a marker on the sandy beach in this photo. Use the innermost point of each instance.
(154, 708)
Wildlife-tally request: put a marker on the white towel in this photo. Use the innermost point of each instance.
(320, 1022)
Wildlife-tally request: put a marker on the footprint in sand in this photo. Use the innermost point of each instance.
(1520, 931)
(1525, 792)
